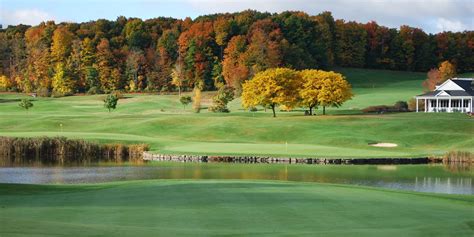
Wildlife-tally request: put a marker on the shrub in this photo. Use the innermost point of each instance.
(164, 89)
(57, 94)
(118, 94)
(43, 92)
(223, 97)
(412, 104)
(219, 108)
(94, 90)
(376, 109)
(401, 106)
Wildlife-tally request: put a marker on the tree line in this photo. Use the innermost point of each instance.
(167, 54)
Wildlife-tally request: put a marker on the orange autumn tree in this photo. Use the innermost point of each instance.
(447, 70)
(272, 88)
(435, 76)
(432, 80)
(105, 66)
(265, 46)
(38, 57)
(233, 67)
(194, 49)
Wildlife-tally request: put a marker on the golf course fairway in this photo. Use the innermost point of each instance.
(229, 208)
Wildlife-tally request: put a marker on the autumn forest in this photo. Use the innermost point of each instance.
(166, 54)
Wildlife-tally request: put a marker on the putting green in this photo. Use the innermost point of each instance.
(229, 208)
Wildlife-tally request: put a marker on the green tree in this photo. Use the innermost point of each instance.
(301, 52)
(25, 103)
(110, 102)
(223, 97)
(219, 80)
(136, 34)
(351, 44)
(185, 100)
(92, 78)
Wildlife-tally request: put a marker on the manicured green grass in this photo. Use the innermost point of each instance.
(381, 87)
(163, 123)
(229, 208)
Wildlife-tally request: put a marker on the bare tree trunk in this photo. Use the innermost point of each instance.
(324, 110)
(311, 110)
(273, 109)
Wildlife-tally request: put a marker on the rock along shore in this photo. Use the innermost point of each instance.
(282, 160)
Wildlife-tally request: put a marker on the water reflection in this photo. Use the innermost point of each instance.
(422, 178)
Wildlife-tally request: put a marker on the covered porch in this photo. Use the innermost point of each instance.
(450, 104)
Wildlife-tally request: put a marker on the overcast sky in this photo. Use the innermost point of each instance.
(431, 15)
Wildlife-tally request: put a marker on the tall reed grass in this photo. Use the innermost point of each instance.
(60, 150)
(458, 157)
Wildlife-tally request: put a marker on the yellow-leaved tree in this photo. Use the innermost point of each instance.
(271, 88)
(5, 84)
(334, 90)
(177, 76)
(62, 82)
(310, 88)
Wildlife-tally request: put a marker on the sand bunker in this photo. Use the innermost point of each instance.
(384, 144)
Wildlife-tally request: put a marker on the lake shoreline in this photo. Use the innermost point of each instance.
(147, 156)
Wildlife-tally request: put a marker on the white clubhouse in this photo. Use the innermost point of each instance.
(454, 95)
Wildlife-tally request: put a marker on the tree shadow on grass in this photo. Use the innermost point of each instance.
(9, 100)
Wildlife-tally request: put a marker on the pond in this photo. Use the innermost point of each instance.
(421, 178)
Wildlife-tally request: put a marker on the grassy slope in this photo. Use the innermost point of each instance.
(161, 122)
(229, 208)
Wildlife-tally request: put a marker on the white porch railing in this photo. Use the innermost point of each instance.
(452, 105)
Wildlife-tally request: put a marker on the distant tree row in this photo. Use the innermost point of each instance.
(166, 54)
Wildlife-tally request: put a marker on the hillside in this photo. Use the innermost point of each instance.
(163, 123)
